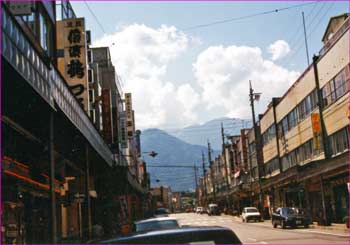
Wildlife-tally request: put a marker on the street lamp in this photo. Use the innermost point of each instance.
(151, 153)
(255, 97)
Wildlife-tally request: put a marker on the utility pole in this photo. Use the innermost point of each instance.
(306, 46)
(224, 153)
(204, 172)
(53, 224)
(212, 171)
(255, 96)
(195, 181)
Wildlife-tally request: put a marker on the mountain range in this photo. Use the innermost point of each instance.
(179, 150)
(211, 130)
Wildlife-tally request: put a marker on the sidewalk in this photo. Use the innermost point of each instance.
(334, 229)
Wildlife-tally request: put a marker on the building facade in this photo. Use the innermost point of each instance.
(60, 176)
(304, 138)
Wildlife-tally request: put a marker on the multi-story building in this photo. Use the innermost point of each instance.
(332, 74)
(162, 196)
(304, 138)
(59, 177)
(305, 156)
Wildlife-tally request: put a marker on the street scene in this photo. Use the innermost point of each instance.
(263, 232)
(169, 122)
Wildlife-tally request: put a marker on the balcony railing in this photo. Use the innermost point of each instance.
(47, 81)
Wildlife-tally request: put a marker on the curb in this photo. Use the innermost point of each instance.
(334, 228)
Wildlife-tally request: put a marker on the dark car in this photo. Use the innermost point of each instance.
(213, 209)
(161, 212)
(292, 217)
(187, 235)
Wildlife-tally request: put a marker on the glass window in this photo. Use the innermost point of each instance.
(45, 33)
(301, 109)
(340, 84)
(307, 102)
(347, 77)
(293, 118)
(285, 125)
(339, 141)
(285, 162)
(332, 90)
(324, 95)
(314, 99)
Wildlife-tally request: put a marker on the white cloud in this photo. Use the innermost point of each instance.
(279, 49)
(223, 73)
(141, 55)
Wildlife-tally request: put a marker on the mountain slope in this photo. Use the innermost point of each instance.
(172, 151)
(199, 134)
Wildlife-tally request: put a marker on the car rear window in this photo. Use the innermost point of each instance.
(251, 210)
(161, 211)
(157, 225)
(203, 242)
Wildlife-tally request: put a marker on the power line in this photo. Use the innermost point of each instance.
(246, 16)
(170, 166)
(295, 38)
(297, 48)
(96, 19)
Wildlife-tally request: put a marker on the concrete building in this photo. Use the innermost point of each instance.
(59, 177)
(305, 140)
(312, 133)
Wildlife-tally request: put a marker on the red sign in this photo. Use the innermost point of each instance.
(316, 125)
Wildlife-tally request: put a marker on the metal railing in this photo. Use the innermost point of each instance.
(47, 81)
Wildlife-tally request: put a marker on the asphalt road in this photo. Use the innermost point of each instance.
(263, 233)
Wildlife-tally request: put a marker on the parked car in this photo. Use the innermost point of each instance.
(251, 213)
(161, 212)
(199, 210)
(156, 224)
(213, 209)
(290, 217)
(187, 235)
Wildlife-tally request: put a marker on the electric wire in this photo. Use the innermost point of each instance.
(298, 48)
(95, 17)
(246, 16)
(292, 38)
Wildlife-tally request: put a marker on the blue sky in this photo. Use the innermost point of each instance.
(191, 68)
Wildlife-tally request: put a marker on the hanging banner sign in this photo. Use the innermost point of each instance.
(316, 129)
